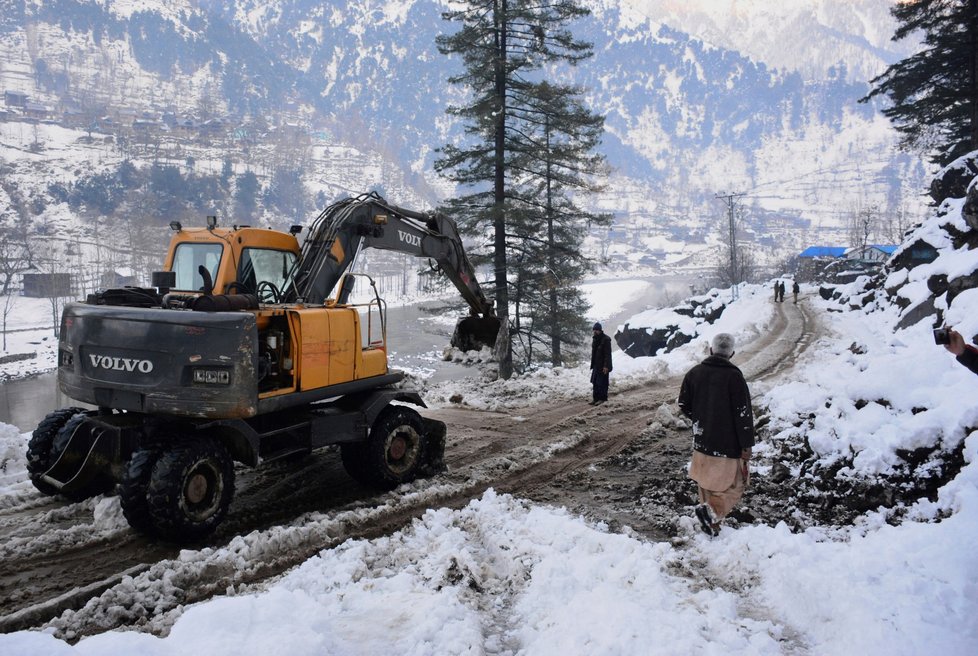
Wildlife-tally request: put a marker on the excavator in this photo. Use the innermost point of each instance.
(246, 349)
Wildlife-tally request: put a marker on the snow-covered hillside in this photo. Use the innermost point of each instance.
(818, 38)
(699, 99)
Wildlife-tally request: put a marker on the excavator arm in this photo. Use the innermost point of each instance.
(368, 221)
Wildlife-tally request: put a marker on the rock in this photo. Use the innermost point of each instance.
(953, 180)
(455, 398)
(961, 284)
(917, 313)
(639, 342)
(779, 472)
(970, 209)
(937, 284)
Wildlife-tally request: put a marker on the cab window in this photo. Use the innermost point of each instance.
(265, 265)
(188, 259)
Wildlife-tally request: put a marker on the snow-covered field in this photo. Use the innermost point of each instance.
(503, 576)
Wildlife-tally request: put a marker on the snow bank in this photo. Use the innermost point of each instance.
(503, 576)
(498, 576)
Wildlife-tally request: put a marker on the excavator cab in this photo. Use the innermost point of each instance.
(233, 260)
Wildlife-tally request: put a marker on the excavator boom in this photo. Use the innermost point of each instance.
(368, 221)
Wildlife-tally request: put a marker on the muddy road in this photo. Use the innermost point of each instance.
(79, 569)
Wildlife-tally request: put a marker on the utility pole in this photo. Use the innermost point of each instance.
(730, 201)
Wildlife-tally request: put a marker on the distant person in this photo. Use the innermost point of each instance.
(600, 365)
(714, 395)
(794, 290)
(777, 290)
(780, 292)
(966, 353)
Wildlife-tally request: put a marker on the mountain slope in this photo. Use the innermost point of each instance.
(687, 116)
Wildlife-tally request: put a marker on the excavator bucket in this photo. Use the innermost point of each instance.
(472, 333)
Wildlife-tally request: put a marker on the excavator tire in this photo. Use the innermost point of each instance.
(189, 490)
(135, 486)
(40, 452)
(393, 453)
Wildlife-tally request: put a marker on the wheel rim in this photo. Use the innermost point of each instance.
(401, 449)
(201, 492)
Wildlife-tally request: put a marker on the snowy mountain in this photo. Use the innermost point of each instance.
(703, 97)
(820, 39)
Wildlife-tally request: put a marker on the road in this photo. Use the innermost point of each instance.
(78, 569)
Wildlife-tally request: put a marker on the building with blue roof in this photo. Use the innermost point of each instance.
(823, 251)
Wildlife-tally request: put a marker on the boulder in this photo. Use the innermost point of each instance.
(970, 209)
(961, 284)
(917, 313)
(937, 284)
(953, 180)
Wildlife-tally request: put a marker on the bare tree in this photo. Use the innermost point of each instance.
(895, 223)
(862, 224)
(9, 301)
(15, 258)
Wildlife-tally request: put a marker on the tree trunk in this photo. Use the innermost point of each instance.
(505, 350)
(973, 37)
(555, 358)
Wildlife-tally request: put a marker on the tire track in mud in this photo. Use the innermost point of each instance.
(536, 452)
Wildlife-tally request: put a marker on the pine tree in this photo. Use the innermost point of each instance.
(555, 162)
(501, 43)
(934, 93)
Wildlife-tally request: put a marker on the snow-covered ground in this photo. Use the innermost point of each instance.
(503, 576)
(30, 344)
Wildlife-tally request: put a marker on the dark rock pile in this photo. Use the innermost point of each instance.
(667, 335)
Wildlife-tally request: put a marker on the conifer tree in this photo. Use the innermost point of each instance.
(554, 163)
(501, 44)
(934, 93)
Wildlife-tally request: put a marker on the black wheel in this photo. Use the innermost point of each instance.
(134, 489)
(190, 489)
(393, 453)
(40, 452)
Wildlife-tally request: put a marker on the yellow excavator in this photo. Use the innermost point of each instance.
(246, 349)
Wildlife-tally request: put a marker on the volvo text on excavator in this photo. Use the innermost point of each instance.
(246, 350)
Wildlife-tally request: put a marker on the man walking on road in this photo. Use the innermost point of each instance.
(794, 290)
(600, 365)
(714, 395)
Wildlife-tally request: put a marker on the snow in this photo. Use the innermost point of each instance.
(504, 576)
(609, 298)
(29, 325)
